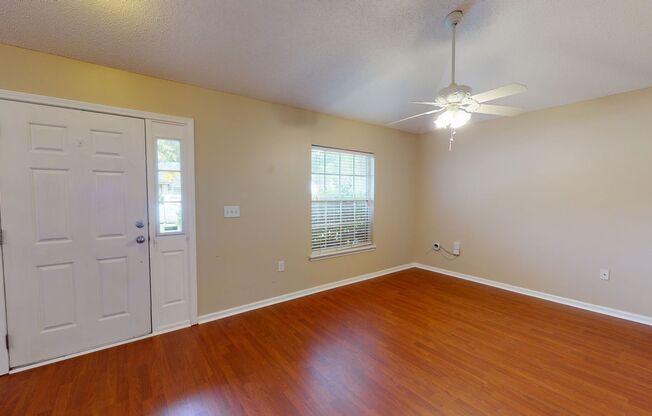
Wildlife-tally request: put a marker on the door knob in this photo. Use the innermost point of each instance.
(140, 239)
(140, 224)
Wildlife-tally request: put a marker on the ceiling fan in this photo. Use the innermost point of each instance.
(456, 101)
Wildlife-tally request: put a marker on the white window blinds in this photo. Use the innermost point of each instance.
(342, 190)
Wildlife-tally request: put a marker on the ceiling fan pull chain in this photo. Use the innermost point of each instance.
(452, 139)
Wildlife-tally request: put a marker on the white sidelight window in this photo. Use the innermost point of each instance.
(169, 190)
(342, 188)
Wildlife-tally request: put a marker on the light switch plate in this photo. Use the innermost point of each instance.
(231, 211)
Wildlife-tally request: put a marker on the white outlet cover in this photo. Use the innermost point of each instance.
(231, 211)
(281, 266)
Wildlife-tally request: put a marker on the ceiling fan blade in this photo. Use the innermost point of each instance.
(497, 110)
(415, 116)
(506, 91)
(425, 103)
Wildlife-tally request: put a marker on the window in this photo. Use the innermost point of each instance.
(342, 188)
(170, 206)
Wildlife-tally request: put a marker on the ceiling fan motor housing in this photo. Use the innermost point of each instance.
(453, 94)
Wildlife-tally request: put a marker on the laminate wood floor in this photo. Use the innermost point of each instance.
(409, 343)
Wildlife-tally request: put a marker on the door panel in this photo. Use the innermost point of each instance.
(171, 290)
(56, 296)
(73, 186)
(51, 194)
(114, 287)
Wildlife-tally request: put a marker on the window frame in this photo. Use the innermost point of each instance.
(157, 189)
(370, 177)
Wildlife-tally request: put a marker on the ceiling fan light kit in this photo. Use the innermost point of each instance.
(453, 117)
(458, 103)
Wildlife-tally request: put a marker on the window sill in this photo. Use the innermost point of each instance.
(338, 253)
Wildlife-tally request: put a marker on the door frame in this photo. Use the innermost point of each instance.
(4, 352)
(156, 280)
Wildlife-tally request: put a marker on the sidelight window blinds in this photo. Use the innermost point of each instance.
(342, 188)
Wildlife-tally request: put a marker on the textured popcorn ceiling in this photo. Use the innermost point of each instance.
(362, 59)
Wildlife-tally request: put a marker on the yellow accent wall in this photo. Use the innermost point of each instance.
(542, 200)
(254, 154)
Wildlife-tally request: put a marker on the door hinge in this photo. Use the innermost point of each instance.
(1, 237)
(7, 341)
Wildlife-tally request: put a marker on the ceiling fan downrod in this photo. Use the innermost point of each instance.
(452, 21)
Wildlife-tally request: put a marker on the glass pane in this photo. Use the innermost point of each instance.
(317, 161)
(333, 212)
(361, 165)
(361, 187)
(168, 154)
(332, 163)
(346, 164)
(317, 186)
(332, 186)
(169, 186)
(169, 199)
(346, 186)
(361, 211)
(318, 214)
(169, 214)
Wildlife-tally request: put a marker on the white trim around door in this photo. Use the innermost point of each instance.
(4, 352)
(183, 129)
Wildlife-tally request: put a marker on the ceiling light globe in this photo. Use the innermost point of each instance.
(460, 118)
(453, 117)
(444, 120)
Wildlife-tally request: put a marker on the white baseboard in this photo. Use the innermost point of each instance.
(294, 295)
(642, 319)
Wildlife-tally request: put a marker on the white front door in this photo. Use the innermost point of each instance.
(72, 197)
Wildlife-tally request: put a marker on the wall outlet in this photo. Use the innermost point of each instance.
(280, 267)
(231, 211)
(605, 274)
(456, 248)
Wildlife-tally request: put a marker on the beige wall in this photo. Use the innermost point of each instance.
(254, 154)
(546, 199)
